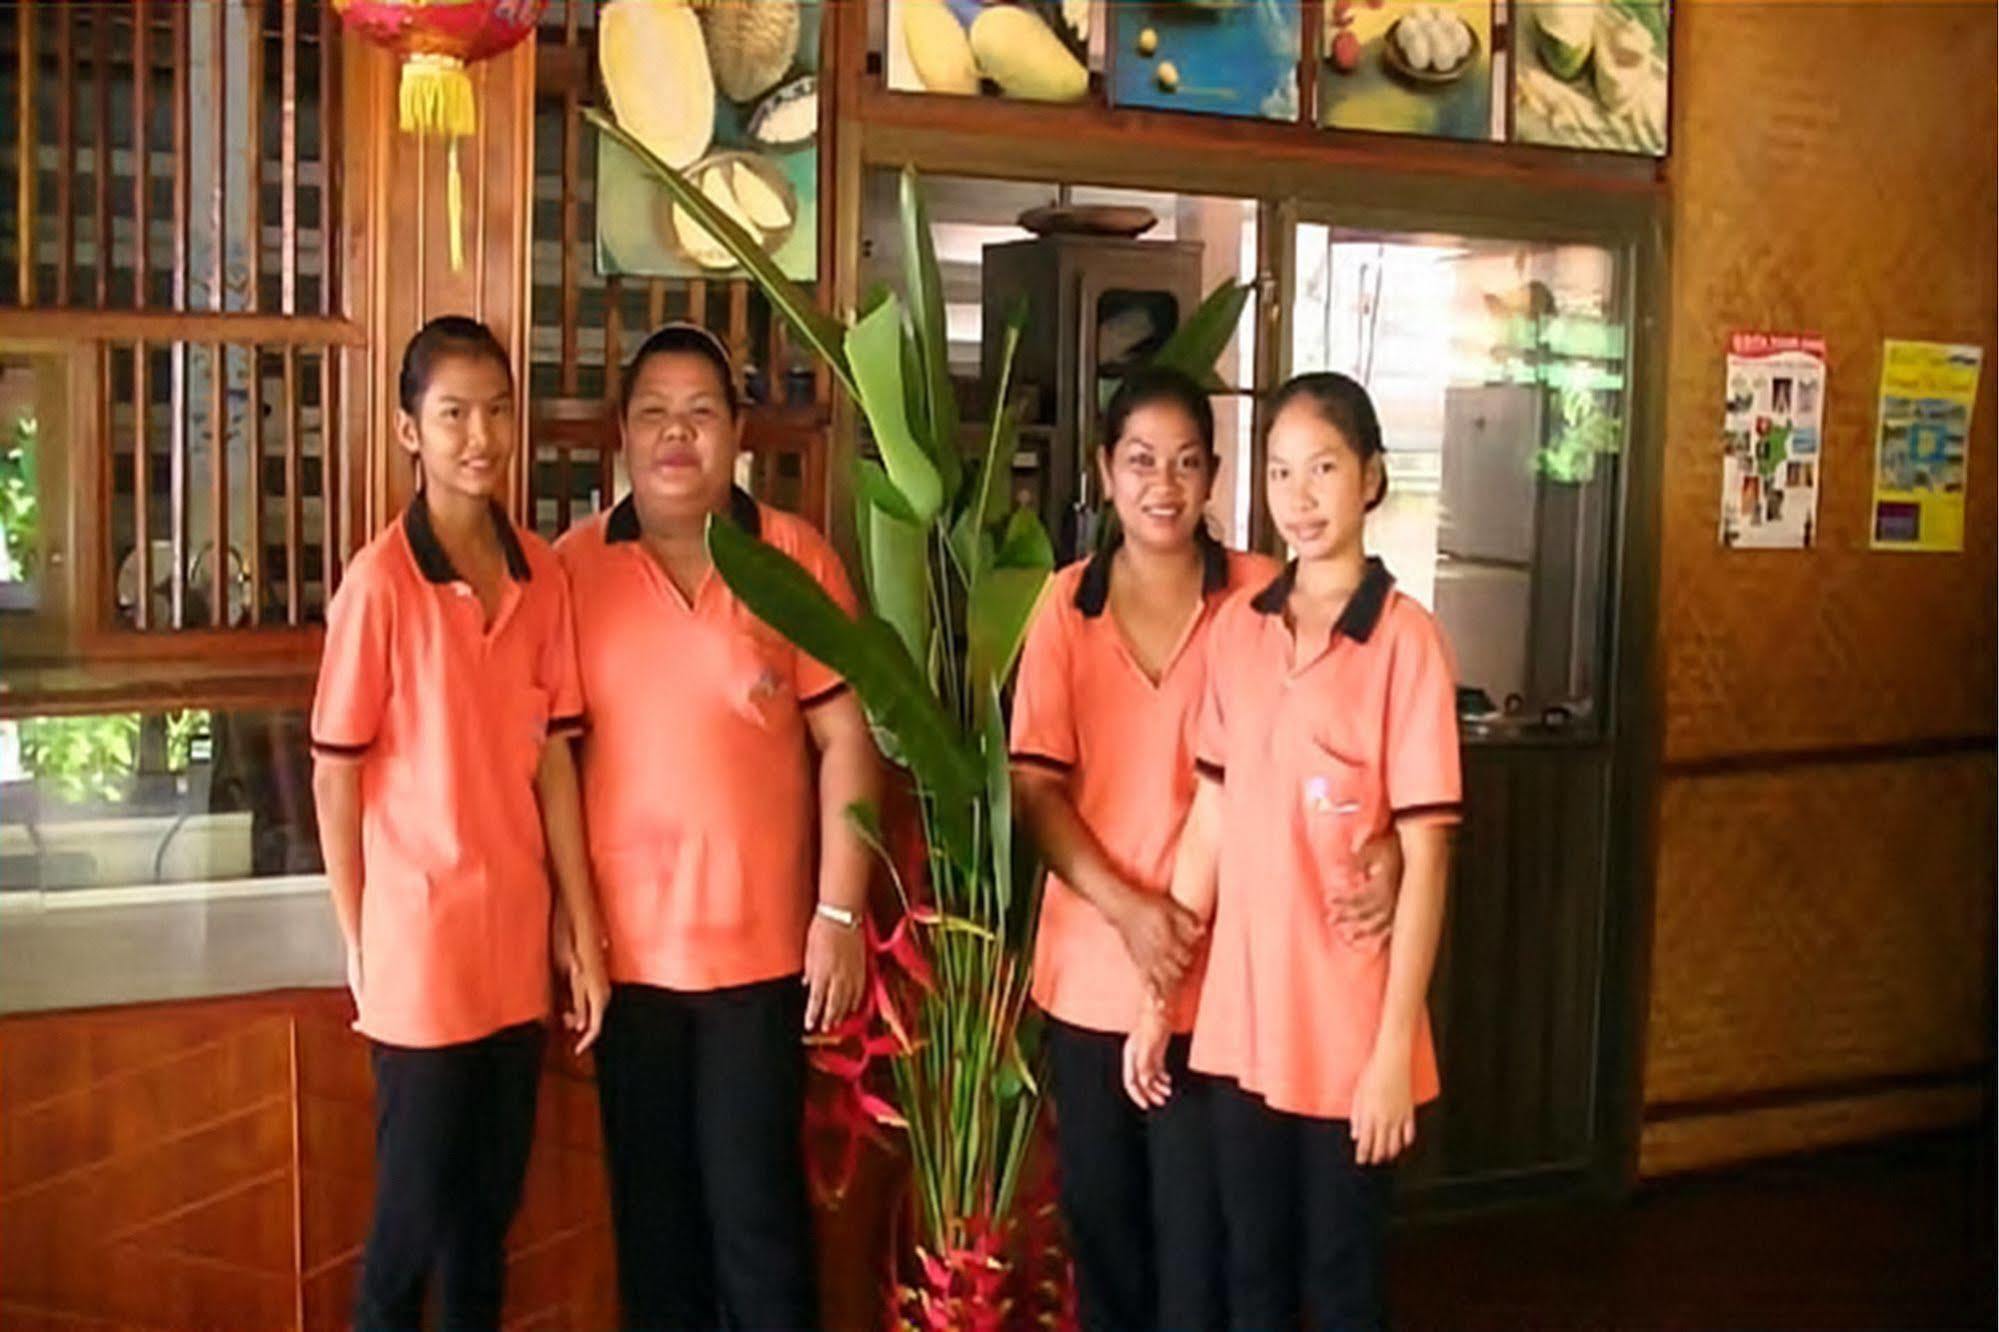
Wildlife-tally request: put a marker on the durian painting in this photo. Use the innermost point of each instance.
(728, 92)
(1592, 74)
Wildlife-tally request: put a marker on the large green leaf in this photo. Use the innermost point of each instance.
(868, 654)
(1002, 601)
(874, 350)
(989, 501)
(999, 799)
(926, 305)
(820, 331)
(1198, 342)
(892, 546)
(996, 616)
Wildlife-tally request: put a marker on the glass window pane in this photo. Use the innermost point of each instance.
(1498, 370)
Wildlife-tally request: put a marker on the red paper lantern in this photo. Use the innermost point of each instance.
(436, 39)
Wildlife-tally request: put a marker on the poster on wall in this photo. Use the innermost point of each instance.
(729, 94)
(1927, 390)
(1592, 74)
(1233, 58)
(1031, 50)
(1403, 67)
(1772, 430)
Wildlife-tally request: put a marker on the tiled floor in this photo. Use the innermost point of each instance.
(1896, 1236)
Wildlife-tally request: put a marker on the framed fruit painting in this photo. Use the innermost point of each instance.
(1592, 74)
(1407, 67)
(729, 93)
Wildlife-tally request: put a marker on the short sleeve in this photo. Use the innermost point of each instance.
(1044, 718)
(1211, 751)
(814, 681)
(557, 670)
(354, 674)
(1420, 753)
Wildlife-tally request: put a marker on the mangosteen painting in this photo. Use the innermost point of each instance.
(729, 94)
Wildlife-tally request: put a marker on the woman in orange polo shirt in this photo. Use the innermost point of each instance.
(1102, 745)
(1329, 719)
(719, 765)
(445, 787)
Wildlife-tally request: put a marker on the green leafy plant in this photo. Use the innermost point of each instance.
(81, 758)
(89, 758)
(951, 577)
(20, 519)
(1586, 432)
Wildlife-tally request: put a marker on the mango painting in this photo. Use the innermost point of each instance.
(1031, 50)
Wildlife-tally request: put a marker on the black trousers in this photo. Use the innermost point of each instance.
(703, 1101)
(1306, 1223)
(1138, 1189)
(453, 1126)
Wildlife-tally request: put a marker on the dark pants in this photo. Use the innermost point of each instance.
(1139, 1194)
(1305, 1222)
(703, 1099)
(452, 1130)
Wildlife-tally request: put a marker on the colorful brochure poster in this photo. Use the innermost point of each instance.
(1927, 389)
(1772, 428)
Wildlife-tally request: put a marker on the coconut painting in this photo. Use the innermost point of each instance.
(728, 93)
(1407, 67)
(1592, 74)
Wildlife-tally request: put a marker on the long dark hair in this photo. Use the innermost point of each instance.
(1342, 404)
(444, 337)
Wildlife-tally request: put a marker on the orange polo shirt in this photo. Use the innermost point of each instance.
(1082, 707)
(447, 716)
(1314, 763)
(698, 787)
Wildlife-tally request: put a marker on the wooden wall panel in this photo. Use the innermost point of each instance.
(1790, 173)
(146, 1170)
(209, 1164)
(396, 227)
(1821, 924)
(1701, 1142)
(1820, 920)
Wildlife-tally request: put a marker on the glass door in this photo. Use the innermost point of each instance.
(1501, 370)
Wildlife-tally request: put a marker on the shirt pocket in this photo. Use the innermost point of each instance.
(1341, 804)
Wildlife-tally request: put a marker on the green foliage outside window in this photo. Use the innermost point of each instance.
(19, 509)
(89, 758)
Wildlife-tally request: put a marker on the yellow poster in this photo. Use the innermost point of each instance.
(1927, 390)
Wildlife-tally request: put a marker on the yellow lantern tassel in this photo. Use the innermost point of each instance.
(435, 97)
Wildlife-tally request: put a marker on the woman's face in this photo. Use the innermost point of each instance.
(680, 437)
(1318, 485)
(463, 431)
(1158, 474)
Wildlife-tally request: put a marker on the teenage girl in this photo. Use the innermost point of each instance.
(1329, 719)
(445, 789)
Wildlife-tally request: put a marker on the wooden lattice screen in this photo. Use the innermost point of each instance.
(176, 205)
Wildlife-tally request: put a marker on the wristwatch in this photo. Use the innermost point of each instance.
(839, 915)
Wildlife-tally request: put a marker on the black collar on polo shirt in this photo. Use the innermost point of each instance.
(1364, 607)
(436, 566)
(1093, 589)
(623, 524)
